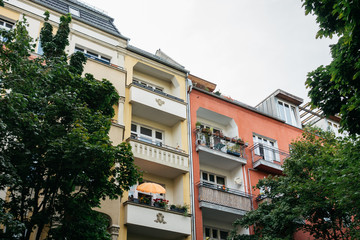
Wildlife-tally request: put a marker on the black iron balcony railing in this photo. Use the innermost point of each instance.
(222, 144)
(260, 151)
(157, 91)
(155, 143)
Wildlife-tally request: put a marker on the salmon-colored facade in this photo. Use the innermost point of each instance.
(265, 144)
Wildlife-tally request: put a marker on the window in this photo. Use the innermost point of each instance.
(5, 25)
(266, 148)
(212, 178)
(287, 113)
(93, 55)
(74, 12)
(148, 85)
(215, 233)
(147, 134)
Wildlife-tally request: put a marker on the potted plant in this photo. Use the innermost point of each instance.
(221, 134)
(198, 125)
(161, 203)
(144, 200)
(240, 141)
(233, 150)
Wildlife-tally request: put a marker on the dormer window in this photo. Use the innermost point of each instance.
(74, 12)
(287, 113)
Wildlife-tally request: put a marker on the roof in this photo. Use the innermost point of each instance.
(88, 14)
(170, 63)
(281, 94)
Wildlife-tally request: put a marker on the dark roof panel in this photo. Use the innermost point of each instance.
(88, 14)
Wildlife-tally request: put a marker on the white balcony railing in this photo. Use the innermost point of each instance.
(160, 153)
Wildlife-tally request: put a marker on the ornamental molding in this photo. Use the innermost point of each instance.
(160, 218)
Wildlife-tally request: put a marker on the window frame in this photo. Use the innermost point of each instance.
(271, 148)
(290, 117)
(148, 85)
(216, 176)
(5, 27)
(143, 137)
(211, 231)
(89, 53)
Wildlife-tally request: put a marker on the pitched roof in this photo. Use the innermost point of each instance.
(88, 14)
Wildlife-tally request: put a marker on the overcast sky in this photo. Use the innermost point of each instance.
(248, 48)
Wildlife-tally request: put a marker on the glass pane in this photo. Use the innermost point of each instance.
(220, 180)
(223, 234)
(288, 116)
(158, 135)
(215, 233)
(211, 178)
(204, 176)
(281, 110)
(133, 127)
(77, 49)
(146, 131)
(92, 54)
(293, 115)
(207, 232)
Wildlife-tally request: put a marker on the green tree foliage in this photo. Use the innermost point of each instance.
(318, 194)
(335, 88)
(56, 160)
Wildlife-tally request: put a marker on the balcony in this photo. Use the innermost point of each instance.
(156, 105)
(223, 203)
(219, 151)
(154, 222)
(158, 158)
(268, 159)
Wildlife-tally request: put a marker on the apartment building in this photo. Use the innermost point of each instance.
(234, 145)
(151, 114)
(156, 127)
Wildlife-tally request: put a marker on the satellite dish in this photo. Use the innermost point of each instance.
(238, 180)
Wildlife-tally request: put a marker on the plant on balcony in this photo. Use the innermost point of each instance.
(233, 150)
(161, 203)
(240, 141)
(198, 125)
(145, 200)
(179, 208)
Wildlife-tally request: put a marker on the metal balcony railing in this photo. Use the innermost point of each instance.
(260, 151)
(222, 144)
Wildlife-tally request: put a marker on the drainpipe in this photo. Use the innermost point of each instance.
(188, 90)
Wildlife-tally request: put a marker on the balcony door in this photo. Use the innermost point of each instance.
(266, 148)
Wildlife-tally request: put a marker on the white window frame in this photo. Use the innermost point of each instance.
(271, 152)
(7, 25)
(149, 85)
(146, 138)
(290, 117)
(211, 233)
(215, 182)
(92, 54)
(74, 12)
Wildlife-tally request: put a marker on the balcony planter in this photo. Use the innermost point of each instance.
(233, 153)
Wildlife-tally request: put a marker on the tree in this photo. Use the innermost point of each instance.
(56, 161)
(318, 194)
(335, 88)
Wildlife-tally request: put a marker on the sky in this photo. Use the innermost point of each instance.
(248, 48)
